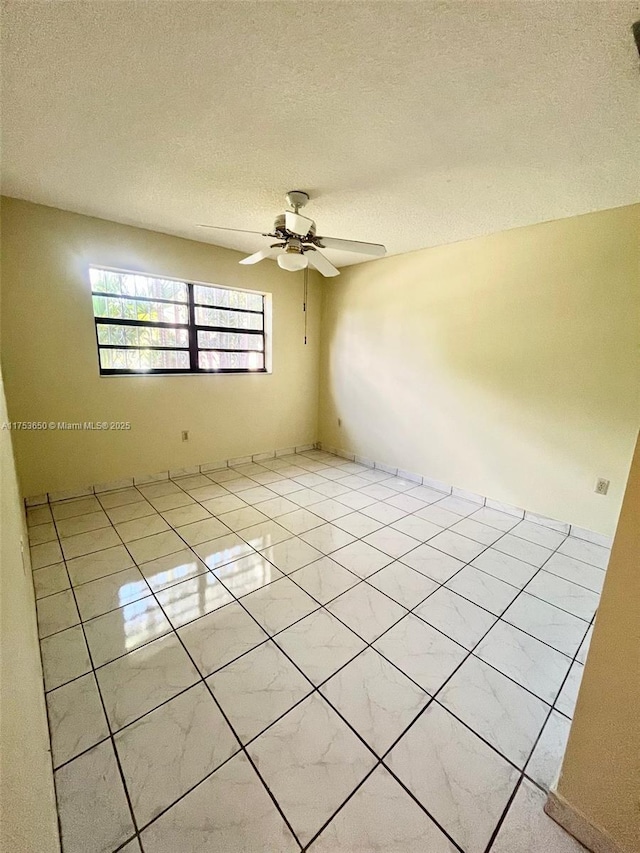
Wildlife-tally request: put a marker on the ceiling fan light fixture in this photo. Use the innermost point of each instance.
(292, 260)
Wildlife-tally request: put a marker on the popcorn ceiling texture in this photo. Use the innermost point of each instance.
(412, 124)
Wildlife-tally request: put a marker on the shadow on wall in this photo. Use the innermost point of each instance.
(507, 365)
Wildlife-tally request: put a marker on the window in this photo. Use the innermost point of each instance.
(155, 325)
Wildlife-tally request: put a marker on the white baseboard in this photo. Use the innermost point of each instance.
(481, 500)
(575, 823)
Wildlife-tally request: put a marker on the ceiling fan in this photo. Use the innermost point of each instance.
(298, 244)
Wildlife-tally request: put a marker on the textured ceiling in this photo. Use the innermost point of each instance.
(409, 123)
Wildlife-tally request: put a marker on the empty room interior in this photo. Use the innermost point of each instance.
(320, 487)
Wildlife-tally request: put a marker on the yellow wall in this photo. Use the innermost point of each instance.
(28, 820)
(506, 365)
(600, 776)
(51, 366)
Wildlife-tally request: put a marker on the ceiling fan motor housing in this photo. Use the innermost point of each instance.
(280, 227)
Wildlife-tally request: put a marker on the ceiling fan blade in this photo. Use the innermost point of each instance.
(237, 230)
(318, 261)
(260, 256)
(375, 249)
(297, 224)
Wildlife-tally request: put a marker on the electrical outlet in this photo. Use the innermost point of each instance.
(602, 486)
(185, 435)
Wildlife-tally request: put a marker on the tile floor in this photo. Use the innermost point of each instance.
(307, 654)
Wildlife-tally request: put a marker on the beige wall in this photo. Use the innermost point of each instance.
(506, 365)
(28, 821)
(600, 776)
(51, 366)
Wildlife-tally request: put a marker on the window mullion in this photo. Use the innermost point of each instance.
(193, 332)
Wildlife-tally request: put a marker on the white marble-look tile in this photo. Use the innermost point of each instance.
(357, 501)
(426, 494)
(361, 558)
(220, 473)
(581, 657)
(494, 518)
(257, 688)
(167, 752)
(202, 531)
(526, 820)
(220, 637)
(120, 631)
(566, 701)
(50, 580)
(330, 510)
(247, 574)
(56, 612)
(229, 811)
(153, 547)
(271, 505)
(545, 761)
(76, 718)
(467, 784)
(458, 505)
(240, 518)
(279, 605)
(403, 584)
(437, 514)
(376, 698)
(82, 523)
(381, 818)
(132, 847)
(500, 711)
(174, 568)
(417, 528)
(92, 805)
(264, 534)
(89, 543)
(320, 644)
(64, 656)
(291, 554)
(588, 552)
(193, 598)
(38, 515)
(590, 536)
(311, 761)
(384, 512)
(358, 524)
(300, 521)
(438, 485)
(526, 660)
(227, 503)
(327, 538)
(193, 482)
(504, 567)
(553, 626)
(354, 481)
(324, 579)
(42, 533)
(509, 509)
(222, 550)
(134, 684)
(138, 528)
(159, 489)
(240, 484)
(424, 654)
(285, 487)
(332, 489)
(432, 563)
(309, 480)
(576, 571)
(366, 611)
(563, 593)
(122, 497)
(131, 511)
(477, 531)
(523, 550)
(206, 492)
(455, 616)
(405, 502)
(304, 497)
(186, 515)
(46, 554)
(538, 534)
(483, 589)
(392, 542)
(173, 501)
(79, 506)
(456, 545)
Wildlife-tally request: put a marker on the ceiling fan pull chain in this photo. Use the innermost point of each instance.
(304, 302)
